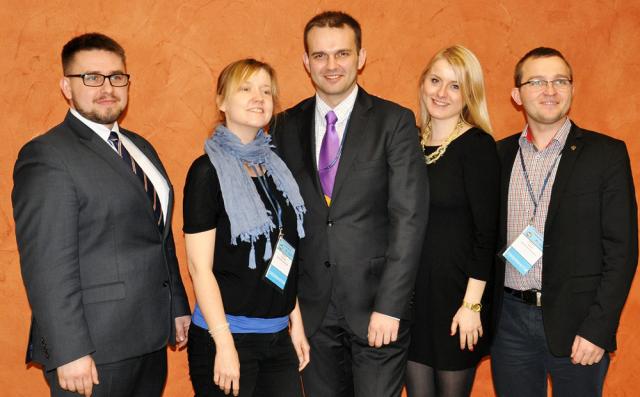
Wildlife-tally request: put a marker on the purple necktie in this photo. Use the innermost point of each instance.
(329, 156)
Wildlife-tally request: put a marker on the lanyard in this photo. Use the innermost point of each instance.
(272, 200)
(530, 188)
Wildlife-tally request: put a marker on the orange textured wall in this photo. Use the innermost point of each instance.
(176, 49)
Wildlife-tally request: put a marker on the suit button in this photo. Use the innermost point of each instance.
(329, 222)
(165, 283)
(327, 264)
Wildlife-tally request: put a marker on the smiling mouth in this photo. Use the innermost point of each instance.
(106, 100)
(256, 110)
(439, 103)
(332, 77)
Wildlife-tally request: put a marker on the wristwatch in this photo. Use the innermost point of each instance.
(476, 307)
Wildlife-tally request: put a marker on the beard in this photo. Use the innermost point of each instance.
(109, 116)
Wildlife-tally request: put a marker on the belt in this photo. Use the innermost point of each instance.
(530, 297)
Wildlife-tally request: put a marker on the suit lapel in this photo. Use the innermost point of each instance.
(354, 133)
(308, 145)
(508, 151)
(111, 158)
(570, 153)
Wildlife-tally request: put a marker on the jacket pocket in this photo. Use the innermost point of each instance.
(104, 292)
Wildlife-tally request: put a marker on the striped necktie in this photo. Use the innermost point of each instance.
(146, 182)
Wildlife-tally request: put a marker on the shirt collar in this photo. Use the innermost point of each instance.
(342, 111)
(559, 138)
(102, 131)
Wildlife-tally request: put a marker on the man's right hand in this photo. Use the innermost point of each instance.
(78, 376)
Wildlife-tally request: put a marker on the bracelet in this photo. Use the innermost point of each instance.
(218, 328)
(475, 307)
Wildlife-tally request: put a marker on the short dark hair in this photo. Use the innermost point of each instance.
(87, 42)
(540, 52)
(333, 19)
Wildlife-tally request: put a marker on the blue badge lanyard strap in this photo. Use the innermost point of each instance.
(530, 187)
(272, 200)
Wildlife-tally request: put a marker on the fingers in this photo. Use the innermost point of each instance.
(236, 386)
(454, 326)
(302, 351)
(87, 386)
(574, 347)
(94, 374)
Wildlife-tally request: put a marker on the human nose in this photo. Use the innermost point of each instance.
(331, 62)
(442, 90)
(106, 85)
(549, 87)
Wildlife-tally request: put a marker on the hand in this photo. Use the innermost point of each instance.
(182, 331)
(584, 352)
(300, 343)
(469, 325)
(78, 376)
(382, 329)
(226, 369)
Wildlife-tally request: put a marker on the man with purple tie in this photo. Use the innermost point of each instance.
(357, 160)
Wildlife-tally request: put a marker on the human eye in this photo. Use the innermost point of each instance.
(92, 77)
(536, 83)
(319, 56)
(561, 82)
(244, 88)
(343, 54)
(434, 80)
(455, 86)
(118, 78)
(267, 91)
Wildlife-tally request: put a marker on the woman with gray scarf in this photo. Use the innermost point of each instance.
(243, 218)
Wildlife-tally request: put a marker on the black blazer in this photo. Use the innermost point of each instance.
(100, 277)
(367, 243)
(590, 248)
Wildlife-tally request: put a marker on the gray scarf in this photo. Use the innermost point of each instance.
(248, 216)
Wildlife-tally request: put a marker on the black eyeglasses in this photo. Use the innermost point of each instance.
(97, 79)
(538, 85)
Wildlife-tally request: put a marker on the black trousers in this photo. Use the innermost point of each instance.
(133, 377)
(521, 360)
(268, 364)
(344, 365)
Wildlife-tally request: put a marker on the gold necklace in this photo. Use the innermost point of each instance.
(439, 152)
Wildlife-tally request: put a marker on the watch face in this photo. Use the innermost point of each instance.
(476, 307)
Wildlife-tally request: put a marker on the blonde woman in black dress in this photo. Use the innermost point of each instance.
(450, 335)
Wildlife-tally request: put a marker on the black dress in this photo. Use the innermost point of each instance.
(459, 244)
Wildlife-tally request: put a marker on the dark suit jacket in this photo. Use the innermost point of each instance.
(590, 248)
(100, 277)
(367, 243)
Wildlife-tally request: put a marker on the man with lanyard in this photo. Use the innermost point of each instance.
(361, 173)
(568, 226)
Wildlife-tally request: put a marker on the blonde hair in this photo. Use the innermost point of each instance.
(237, 72)
(469, 75)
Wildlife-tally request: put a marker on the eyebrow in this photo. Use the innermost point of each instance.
(106, 74)
(435, 75)
(334, 52)
(541, 77)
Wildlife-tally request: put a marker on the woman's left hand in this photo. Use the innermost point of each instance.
(300, 343)
(469, 325)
